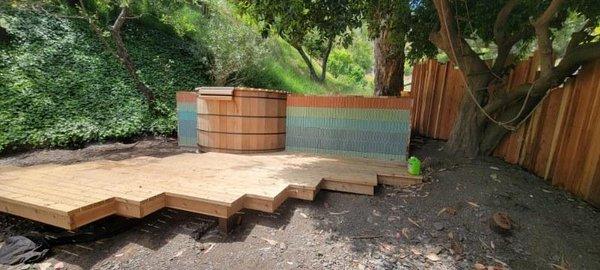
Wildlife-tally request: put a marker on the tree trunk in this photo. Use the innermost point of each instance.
(325, 59)
(125, 59)
(311, 68)
(389, 65)
(466, 134)
(467, 131)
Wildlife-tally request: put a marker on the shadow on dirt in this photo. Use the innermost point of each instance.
(446, 221)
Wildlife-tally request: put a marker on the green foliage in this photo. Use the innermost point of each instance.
(342, 64)
(350, 65)
(477, 19)
(361, 49)
(235, 48)
(297, 19)
(60, 88)
(423, 22)
(313, 26)
(390, 21)
(283, 69)
(390, 15)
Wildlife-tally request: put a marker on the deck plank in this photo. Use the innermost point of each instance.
(216, 184)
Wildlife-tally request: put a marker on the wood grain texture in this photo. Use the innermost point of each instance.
(214, 184)
(244, 120)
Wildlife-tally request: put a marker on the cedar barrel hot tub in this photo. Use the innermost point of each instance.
(241, 120)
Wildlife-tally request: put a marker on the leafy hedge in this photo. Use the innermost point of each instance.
(60, 88)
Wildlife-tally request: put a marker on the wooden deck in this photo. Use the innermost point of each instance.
(215, 184)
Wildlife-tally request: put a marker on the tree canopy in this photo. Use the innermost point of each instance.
(311, 27)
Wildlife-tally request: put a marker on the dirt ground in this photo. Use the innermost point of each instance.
(441, 224)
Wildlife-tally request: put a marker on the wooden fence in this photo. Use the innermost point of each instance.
(561, 140)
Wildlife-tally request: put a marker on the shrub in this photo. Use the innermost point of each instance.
(59, 87)
(236, 49)
(342, 64)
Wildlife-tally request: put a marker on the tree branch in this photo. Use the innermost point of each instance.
(542, 32)
(570, 63)
(503, 42)
(120, 19)
(577, 57)
(548, 14)
(125, 58)
(306, 58)
(325, 59)
(456, 47)
(502, 19)
(505, 46)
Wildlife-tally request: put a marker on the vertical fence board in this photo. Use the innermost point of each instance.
(439, 98)
(592, 160)
(585, 111)
(549, 123)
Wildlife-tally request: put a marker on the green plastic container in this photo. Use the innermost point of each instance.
(414, 166)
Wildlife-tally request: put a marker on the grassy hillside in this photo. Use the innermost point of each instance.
(284, 69)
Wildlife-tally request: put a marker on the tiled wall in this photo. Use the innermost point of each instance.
(187, 119)
(351, 126)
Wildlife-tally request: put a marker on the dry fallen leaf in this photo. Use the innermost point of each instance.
(433, 257)
(500, 262)
(44, 266)
(59, 266)
(405, 233)
(414, 222)
(339, 213)
(473, 204)
(450, 210)
(456, 248)
(478, 266)
(387, 248)
(271, 242)
(416, 251)
(304, 215)
(559, 267)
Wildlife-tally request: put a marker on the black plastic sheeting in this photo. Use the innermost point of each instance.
(36, 247)
(21, 249)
